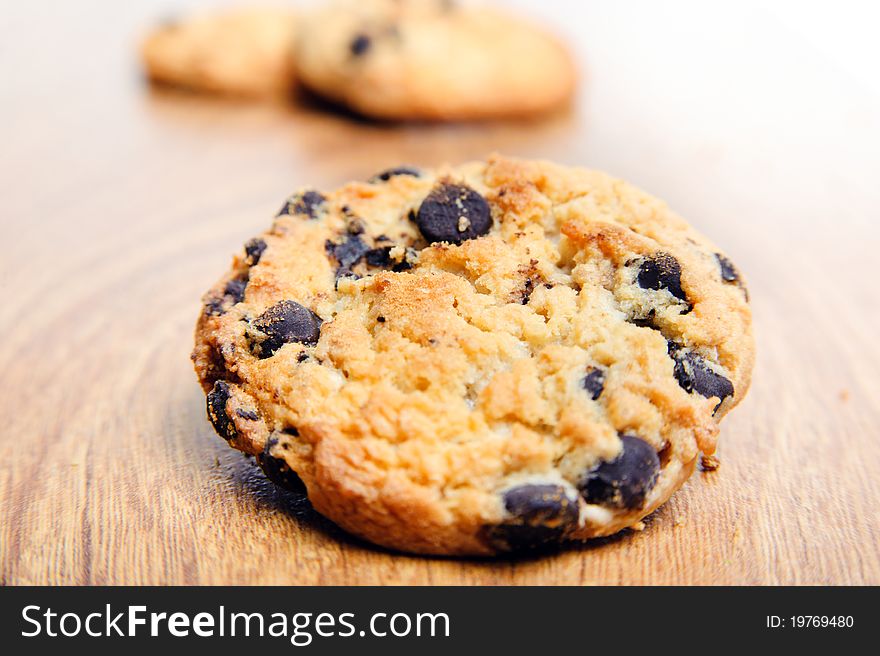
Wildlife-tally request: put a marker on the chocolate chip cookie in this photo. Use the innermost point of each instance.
(499, 356)
(247, 52)
(431, 59)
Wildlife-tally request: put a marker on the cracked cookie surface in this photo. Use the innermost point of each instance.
(498, 356)
(245, 52)
(432, 60)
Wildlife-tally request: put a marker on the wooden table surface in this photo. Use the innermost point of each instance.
(122, 204)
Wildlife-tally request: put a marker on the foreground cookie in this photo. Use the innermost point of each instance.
(246, 52)
(431, 59)
(478, 359)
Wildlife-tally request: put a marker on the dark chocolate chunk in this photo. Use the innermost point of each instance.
(625, 481)
(283, 323)
(647, 321)
(359, 45)
(250, 415)
(307, 204)
(694, 375)
(526, 293)
(216, 405)
(386, 175)
(215, 364)
(539, 516)
(233, 293)
(253, 251)
(661, 271)
(355, 225)
(728, 271)
(278, 471)
(379, 257)
(453, 213)
(347, 252)
(403, 265)
(285, 209)
(234, 290)
(594, 382)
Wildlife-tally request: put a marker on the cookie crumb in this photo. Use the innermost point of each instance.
(638, 526)
(843, 395)
(397, 253)
(709, 463)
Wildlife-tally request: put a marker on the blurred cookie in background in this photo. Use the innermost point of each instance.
(245, 52)
(431, 60)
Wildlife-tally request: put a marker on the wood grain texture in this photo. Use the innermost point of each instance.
(122, 204)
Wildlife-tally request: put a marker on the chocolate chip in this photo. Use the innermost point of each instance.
(359, 45)
(625, 481)
(234, 290)
(646, 321)
(249, 415)
(526, 293)
(285, 209)
(215, 368)
(233, 293)
(539, 515)
(594, 382)
(278, 471)
(380, 319)
(728, 271)
(307, 204)
(403, 265)
(453, 213)
(386, 175)
(355, 225)
(253, 251)
(379, 257)
(286, 322)
(694, 375)
(661, 271)
(216, 405)
(347, 252)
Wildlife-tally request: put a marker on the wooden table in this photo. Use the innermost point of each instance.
(121, 205)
